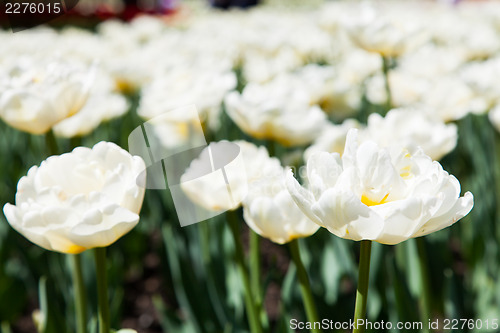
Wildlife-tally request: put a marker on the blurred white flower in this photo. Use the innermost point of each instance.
(406, 128)
(260, 67)
(267, 52)
(97, 109)
(271, 212)
(388, 34)
(452, 99)
(386, 195)
(412, 127)
(35, 94)
(209, 189)
(102, 104)
(332, 139)
(178, 127)
(140, 30)
(276, 111)
(482, 79)
(345, 90)
(473, 34)
(406, 89)
(431, 61)
(258, 163)
(80, 200)
(185, 86)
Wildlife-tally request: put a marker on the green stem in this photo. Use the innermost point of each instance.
(102, 289)
(51, 143)
(252, 313)
(305, 287)
(362, 291)
(6, 327)
(385, 68)
(271, 148)
(425, 301)
(79, 293)
(205, 238)
(255, 262)
(75, 141)
(255, 276)
(496, 170)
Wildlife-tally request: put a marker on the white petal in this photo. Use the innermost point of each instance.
(344, 215)
(302, 197)
(461, 208)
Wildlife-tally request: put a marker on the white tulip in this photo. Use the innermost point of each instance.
(332, 139)
(386, 195)
(216, 179)
(186, 85)
(412, 127)
(37, 94)
(204, 183)
(389, 34)
(80, 200)
(405, 127)
(97, 109)
(452, 99)
(482, 78)
(277, 112)
(102, 104)
(271, 212)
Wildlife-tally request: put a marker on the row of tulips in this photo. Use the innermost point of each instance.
(89, 198)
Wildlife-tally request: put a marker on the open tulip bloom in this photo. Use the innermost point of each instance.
(85, 199)
(80, 200)
(381, 194)
(387, 195)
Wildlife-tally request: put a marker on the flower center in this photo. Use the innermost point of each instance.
(369, 202)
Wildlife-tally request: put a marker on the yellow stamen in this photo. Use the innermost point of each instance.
(405, 172)
(367, 201)
(75, 249)
(124, 86)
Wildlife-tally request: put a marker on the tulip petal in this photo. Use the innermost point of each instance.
(461, 208)
(99, 229)
(403, 218)
(302, 197)
(344, 215)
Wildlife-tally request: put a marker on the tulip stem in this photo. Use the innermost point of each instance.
(252, 313)
(75, 141)
(79, 293)
(425, 302)
(5, 327)
(305, 287)
(102, 289)
(362, 291)
(51, 143)
(385, 69)
(255, 275)
(271, 148)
